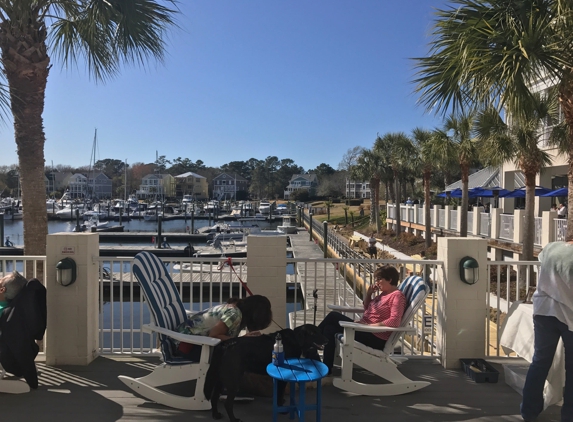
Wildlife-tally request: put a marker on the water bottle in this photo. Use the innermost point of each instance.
(278, 353)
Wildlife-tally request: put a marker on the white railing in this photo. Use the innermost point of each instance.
(442, 218)
(403, 213)
(421, 216)
(506, 227)
(432, 218)
(392, 211)
(508, 281)
(484, 224)
(205, 284)
(471, 222)
(537, 233)
(560, 229)
(29, 266)
(410, 214)
(453, 219)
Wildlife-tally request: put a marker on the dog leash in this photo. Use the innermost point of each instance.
(229, 262)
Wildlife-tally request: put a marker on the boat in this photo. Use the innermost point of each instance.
(265, 207)
(187, 199)
(289, 225)
(69, 212)
(212, 208)
(52, 206)
(12, 213)
(281, 209)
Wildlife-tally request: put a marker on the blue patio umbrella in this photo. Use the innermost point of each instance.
(456, 193)
(520, 193)
(557, 192)
(489, 192)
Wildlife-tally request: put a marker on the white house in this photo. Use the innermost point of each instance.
(356, 190)
(297, 182)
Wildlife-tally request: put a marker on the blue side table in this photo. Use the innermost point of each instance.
(296, 370)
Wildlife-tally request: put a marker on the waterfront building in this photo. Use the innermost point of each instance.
(356, 189)
(226, 186)
(162, 185)
(191, 184)
(307, 182)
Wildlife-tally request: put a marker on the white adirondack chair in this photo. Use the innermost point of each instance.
(380, 362)
(168, 312)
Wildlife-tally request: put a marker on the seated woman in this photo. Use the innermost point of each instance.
(226, 321)
(384, 310)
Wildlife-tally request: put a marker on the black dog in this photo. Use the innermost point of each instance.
(233, 357)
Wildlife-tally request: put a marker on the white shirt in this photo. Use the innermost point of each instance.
(554, 294)
(562, 212)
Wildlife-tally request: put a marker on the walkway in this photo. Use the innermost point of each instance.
(94, 394)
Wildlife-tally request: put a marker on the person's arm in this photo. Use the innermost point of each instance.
(396, 311)
(220, 331)
(368, 297)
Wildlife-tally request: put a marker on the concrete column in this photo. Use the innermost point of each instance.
(548, 227)
(461, 315)
(266, 261)
(72, 337)
(518, 216)
(495, 220)
(447, 222)
(477, 220)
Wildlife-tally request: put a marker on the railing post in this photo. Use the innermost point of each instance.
(495, 220)
(158, 244)
(518, 216)
(310, 226)
(325, 237)
(193, 220)
(477, 221)
(548, 224)
(447, 217)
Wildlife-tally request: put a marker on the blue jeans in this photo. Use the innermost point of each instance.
(548, 330)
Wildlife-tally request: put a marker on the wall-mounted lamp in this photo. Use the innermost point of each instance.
(469, 270)
(66, 271)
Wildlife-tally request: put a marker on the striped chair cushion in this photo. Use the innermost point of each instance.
(163, 299)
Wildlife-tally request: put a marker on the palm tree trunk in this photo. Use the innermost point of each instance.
(465, 201)
(26, 67)
(398, 216)
(427, 218)
(529, 224)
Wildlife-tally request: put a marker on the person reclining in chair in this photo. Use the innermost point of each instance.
(10, 286)
(384, 310)
(226, 321)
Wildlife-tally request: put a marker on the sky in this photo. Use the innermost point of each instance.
(298, 79)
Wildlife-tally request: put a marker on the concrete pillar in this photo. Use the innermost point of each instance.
(72, 337)
(495, 220)
(477, 220)
(548, 227)
(266, 261)
(461, 315)
(447, 220)
(518, 216)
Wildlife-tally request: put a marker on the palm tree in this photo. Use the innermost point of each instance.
(400, 151)
(107, 34)
(493, 52)
(458, 133)
(369, 167)
(426, 161)
(518, 141)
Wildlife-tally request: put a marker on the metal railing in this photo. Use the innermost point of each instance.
(471, 222)
(442, 218)
(506, 227)
(29, 266)
(560, 229)
(508, 281)
(453, 219)
(485, 224)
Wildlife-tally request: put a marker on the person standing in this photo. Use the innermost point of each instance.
(552, 320)
(372, 246)
(562, 211)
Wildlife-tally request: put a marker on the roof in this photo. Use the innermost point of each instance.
(189, 174)
(310, 177)
(487, 177)
(231, 176)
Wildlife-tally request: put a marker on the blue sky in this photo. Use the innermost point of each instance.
(296, 79)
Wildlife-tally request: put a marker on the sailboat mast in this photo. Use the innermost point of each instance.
(125, 188)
